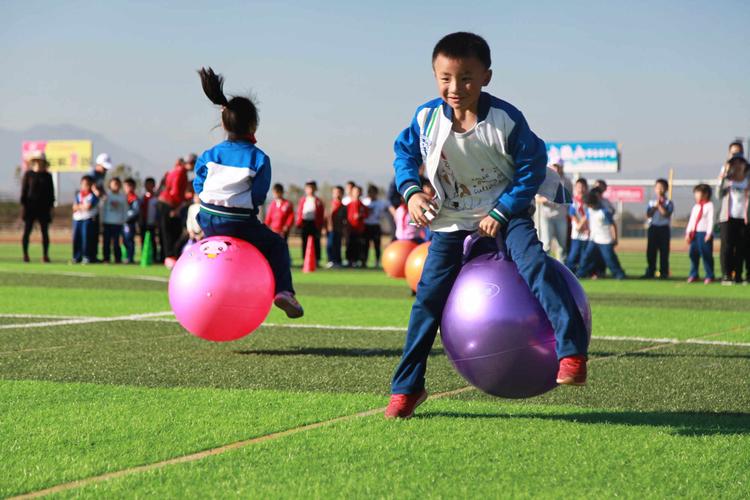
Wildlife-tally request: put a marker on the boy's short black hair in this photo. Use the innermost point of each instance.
(663, 182)
(704, 189)
(462, 45)
(737, 142)
(150, 179)
(115, 179)
(88, 179)
(339, 187)
(130, 181)
(312, 184)
(602, 183)
(278, 188)
(582, 180)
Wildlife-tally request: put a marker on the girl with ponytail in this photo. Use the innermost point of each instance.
(232, 180)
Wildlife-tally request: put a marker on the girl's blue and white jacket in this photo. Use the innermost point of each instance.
(522, 156)
(232, 179)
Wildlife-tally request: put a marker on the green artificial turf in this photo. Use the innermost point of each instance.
(77, 400)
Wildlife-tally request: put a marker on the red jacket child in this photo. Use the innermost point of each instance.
(319, 212)
(356, 213)
(280, 216)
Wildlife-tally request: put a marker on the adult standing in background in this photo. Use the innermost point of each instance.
(98, 173)
(553, 218)
(37, 201)
(734, 191)
(171, 201)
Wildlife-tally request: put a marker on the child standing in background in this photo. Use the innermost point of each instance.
(85, 208)
(659, 214)
(733, 193)
(232, 181)
(579, 229)
(602, 238)
(699, 234)
(311, 218)
(149, 215)
(280, 213)
(131, 219)
(114, 210)
(356, 213)
(335, 226)
(373, 232)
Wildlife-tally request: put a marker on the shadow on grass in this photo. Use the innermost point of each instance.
(679, 423)
(331, 352)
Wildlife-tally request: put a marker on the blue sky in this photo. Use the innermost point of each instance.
(336, 81)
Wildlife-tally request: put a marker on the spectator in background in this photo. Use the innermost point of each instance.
(132, 215)
(733, 213)
(280, 213)
(336, 224)
(85, 208)
(193, 231)
(553, 219)
(659, 213)
(376, 208)
(311, 218)
(579, 230)
(348, 192)
(699, 234)
(356, 213)
(98, 173)
(37, 202)
(602, 237)
(114, 215)
(601, 186)
(149, 215)
(171, 201)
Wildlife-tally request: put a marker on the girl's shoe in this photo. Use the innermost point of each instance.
(45, 259)
(708, 281)
(288, 303)
(692, 279)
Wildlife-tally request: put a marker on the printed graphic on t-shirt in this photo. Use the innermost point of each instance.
(465, 194)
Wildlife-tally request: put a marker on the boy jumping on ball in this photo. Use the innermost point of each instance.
(486, 166)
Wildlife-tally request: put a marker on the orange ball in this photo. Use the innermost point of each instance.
(415, 264)
(394, 257)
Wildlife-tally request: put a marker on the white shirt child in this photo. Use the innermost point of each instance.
(600, 224)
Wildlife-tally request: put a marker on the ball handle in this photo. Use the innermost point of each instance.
(473, 238)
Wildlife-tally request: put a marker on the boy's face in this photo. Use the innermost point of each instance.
(277, 194)
(460, 81)
(659, 189)
(114, 187)
(85, 185)
(337, 193)
(580, 189)
(129, 188)
(356, 192)
(309, 191)
(735, 149)
(698, 196)
(149, 186)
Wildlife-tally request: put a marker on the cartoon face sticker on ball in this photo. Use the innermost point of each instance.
(213, 248)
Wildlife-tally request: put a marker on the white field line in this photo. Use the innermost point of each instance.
(85, 319)
(40, 316)
(75, 274)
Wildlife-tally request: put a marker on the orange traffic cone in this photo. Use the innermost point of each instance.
(311, 260)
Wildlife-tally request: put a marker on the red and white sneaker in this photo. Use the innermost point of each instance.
(403, 405)
(572, 370)
(288, 303)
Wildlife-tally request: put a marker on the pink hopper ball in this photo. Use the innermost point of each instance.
(221, 289)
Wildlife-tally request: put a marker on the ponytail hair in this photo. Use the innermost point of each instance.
(239, 115)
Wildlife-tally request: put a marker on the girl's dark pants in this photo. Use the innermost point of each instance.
(271, 245)
(440, 271)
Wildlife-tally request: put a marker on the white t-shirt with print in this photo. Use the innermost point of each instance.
(738, 199)
(472, 182)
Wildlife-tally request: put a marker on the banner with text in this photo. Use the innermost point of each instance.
(62, 156)
(585, 157)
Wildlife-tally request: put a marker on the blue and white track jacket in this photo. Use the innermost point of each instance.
(502, 127)
(232, 179)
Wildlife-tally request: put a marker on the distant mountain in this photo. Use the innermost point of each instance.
(10, 154)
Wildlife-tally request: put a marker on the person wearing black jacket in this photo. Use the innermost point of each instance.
(37, 201)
